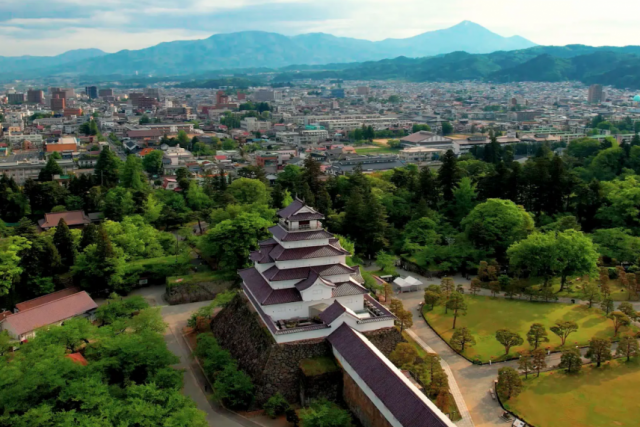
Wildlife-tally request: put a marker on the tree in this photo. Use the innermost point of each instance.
(599, 351)
(627, 308)
(494, 287)
(107, 168)
(448, 175)
(428, 187)
(152, 209)
(509, 383)
(476, 285)
(89, 236)
(144, 120)
(405, 318)
(276, 406)
(51, 168)
(564, 328)
(386, 262)
(101, 266)
(571, 361)
(63, 241)
(247, 191)
(322, 413)
(230, 242)
(508, 339)
(591, 293)
(431, 298)
(10, 261)
(183, 139)
(525, 364)
(620, 320)
(404, 355)
(462, 338)
(537, 334)
(457, 304)
(497, 224)
(447, 128)
(627, 347)
(118, 203)
(539, 360)
(464, 199)
(132, 175)
(577, 255)
(152, 162)
(607, 306)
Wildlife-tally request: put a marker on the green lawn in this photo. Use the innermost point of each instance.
(486, 315)
(573, 290)
(377, 150)
(597, 397)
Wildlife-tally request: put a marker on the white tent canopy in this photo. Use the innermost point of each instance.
(407, 284)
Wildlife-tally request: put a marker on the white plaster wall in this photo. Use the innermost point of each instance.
(311, 262)
(317, 292)
(301, 308)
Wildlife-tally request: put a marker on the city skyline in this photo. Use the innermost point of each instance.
(113, 25)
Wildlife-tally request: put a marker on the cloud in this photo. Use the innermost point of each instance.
(113, 25)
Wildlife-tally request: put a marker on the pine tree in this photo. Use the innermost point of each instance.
(428, 188)
(107, 168)
(51, 168)
(277, 196)
(89, 236)
(131, 173)
(311, 174)
(448, 175)
(354, 217)
(374, 227)
(323, 201)
(63, 241)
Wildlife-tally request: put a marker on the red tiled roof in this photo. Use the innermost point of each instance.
(275, 274)
(32, 303)
(5, 314)
(78, 358)
(50, 313)
(71, 217)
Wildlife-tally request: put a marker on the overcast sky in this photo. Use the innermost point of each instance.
(39, 27)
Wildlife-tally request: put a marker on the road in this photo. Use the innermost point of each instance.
(176, 317)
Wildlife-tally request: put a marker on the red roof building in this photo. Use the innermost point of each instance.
(23, 325)
(78, 358)
(74, 219)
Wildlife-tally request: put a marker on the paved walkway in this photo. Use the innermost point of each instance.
(466, 420)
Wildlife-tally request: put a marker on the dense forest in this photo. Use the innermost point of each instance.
(607, 65)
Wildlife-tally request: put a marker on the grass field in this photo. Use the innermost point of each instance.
(597, 397)
(377, 150)
(486, 315)
(573, 290)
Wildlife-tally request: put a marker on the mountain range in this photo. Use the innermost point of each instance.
(259, 49)
(616, 66)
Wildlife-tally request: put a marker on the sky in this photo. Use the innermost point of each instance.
(51, 27)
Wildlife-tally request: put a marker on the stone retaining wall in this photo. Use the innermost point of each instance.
(275, 367)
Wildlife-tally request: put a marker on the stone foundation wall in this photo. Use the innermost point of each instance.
(326, 386)
(361, 406)
(385, 340)
(276, 367)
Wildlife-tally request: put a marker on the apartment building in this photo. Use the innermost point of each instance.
(265, 95)
(18, 139)
(22, 170)
(311, 136)
(252, 124)
(35, 96)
